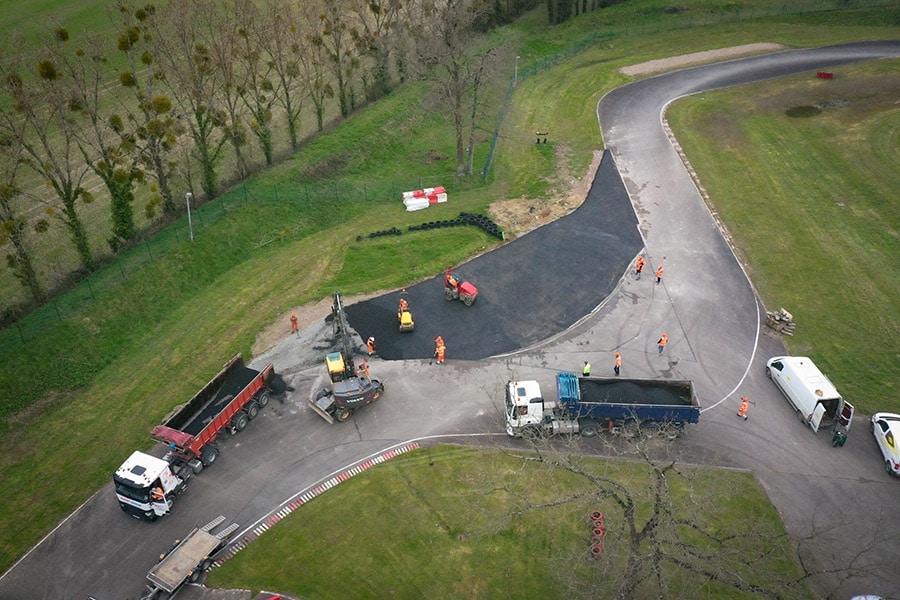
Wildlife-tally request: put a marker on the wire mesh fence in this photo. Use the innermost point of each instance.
(120, 268)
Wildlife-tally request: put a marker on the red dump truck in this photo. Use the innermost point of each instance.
(146, 486)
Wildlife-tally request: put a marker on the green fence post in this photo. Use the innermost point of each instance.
(150, 252)
(90, 288)
(56, 308)
(21, 333)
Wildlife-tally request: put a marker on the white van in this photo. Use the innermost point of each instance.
(810, 392)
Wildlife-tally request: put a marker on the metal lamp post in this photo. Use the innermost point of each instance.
(187, 199)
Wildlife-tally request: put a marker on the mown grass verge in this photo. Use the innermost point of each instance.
(453, 522)
(803, 172)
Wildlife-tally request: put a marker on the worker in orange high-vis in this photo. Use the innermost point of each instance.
(639, 266)
(370, 344)
(745, 404)
(618, 364)
(294, 324)
(440, 354)
(659, 271)
(663, 340)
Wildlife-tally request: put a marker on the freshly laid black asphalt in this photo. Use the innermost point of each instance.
(528, 290)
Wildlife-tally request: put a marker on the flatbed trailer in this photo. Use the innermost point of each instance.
(187, 560)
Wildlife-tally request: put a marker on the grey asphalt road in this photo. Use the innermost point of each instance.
(838, 504)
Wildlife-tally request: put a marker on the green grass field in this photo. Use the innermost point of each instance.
(811, 202)
(83, 392)
(479, 523)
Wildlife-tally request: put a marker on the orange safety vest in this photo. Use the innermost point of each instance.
(664, 340)
(618, 360)
(659, 271)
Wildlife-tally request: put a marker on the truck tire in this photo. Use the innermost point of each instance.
(252, 409)
(263, 399)
(208, 455)
(590, 430)
(240, 421)
(768, 372)
(887, 467)
(377, 393)
(342, 414)
(469, 300)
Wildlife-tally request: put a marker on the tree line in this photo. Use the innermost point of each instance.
(156, 106)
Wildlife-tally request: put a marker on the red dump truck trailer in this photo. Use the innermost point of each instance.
(146, 486)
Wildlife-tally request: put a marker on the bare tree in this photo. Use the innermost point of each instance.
(225, 39)
(658, 543)
(258, 72)
(338, 38)
(99, 136)
(181, 34)
(379, 21)
(148, 123)
(41, 122)
(285, 45)
(448, 48)
(314, 62)
(13, 224)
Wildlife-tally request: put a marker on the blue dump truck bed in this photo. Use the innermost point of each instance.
(624, 399)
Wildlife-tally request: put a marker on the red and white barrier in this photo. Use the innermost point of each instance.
(419, 199)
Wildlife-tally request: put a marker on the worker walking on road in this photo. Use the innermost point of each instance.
(439, 353)
(618, 364)
(663, 340)
(370, 344)
(294, 324)
(659, 271)
(639, 266)
(586, 371)
(745, 404)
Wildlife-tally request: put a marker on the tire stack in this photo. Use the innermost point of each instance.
(375, 234)
(482, 222)
(597, 533)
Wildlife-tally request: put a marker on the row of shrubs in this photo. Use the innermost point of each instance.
(464, 218)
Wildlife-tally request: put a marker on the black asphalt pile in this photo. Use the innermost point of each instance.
(630, 392)
(530, 289)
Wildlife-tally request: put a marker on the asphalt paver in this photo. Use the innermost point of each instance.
(530, 289)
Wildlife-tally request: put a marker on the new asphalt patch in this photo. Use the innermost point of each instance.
(530, 289)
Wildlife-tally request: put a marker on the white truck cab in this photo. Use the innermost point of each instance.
(145, 486)
(810, 392)
(524, 406)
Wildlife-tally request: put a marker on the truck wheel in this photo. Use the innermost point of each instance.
(377, 393)
(342, 414)
(887, 467)
(240, 421)
(589, 431)
(194, 577)
(263, 399)
(768, 372)
(468, 300)
(252, 410)
(208, 455)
